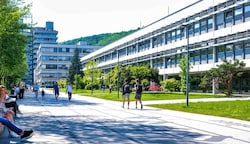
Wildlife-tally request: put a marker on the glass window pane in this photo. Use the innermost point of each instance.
(203, 26)
(239, 51)
(229, 18)
(219, 20)
(204, 56)
(210, 23)
(247, 12)
(238, 15)
(229, 52)
(197, 57)
(247, 50)
(220, 53)
(197, 28)
(210, 55)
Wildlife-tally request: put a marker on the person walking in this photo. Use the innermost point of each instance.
(56, 90)
(36, 89)
(43, 93)
(69, 90)
(21, 90)
(138, 93)
(125, 93)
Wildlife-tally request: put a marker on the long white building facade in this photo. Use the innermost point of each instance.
(213, 30)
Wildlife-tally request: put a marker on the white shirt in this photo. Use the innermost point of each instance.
(69, 88)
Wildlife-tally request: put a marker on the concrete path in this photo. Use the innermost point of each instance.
(86, 120)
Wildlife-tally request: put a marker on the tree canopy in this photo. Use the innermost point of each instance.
(100, 39)
(224, 73)
(75, 67)
(13, 64)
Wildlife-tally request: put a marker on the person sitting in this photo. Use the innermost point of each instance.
(5, 112)
(24, 134)
(11, 103)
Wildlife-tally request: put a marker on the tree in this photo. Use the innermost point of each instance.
(92, 75)
(224, 73)
(183, 72)
(140, 72)
(75, 67)
(155, 77)
(13, 64)
(170, 84)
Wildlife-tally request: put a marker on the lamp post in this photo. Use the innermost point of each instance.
(118, 75)
(185, 25)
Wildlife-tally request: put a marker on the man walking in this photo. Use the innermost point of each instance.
(138, 92)
(125, 93)
(56, 90)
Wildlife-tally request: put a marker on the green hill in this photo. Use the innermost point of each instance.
(100, 39)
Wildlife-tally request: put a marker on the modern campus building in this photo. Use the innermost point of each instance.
(37, 36)
(49, 61)
(54, 60)
(212, 30)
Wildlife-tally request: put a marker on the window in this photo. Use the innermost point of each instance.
(247, 50)
(51, 66)
(220, 20)
(204, 56)
(191, 58)
(197, 57)
(210, 23)
(203, 26)
(173, 35)
(247, 12)
(220, 53)
(178, 34)
(168, 37)
(238, 51)
(229, 18)
(210, 55)
(229, 52)
(238, 16)
(197, 28)
(190, 30)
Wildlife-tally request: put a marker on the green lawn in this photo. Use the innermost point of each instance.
(230, 109)
(239, 109)
(145, 96)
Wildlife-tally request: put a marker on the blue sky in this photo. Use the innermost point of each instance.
(79, 18)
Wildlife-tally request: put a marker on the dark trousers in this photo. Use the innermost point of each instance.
(21, 93)
(13, 105)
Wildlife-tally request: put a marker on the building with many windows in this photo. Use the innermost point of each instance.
(54, 60)
(49, 61)
(37, 36)
(212, 30)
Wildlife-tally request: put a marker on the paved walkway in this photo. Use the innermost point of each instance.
(86, 120)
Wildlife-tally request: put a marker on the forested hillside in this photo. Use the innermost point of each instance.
(100, 39)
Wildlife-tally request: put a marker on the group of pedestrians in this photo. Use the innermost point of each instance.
(126, 90)
(56, 89)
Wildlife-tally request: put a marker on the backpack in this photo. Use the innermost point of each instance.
(127, 88)
(139, 88)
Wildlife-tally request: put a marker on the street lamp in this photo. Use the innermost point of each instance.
(185, 25)
(118, 75)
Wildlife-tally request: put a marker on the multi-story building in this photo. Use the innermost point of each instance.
(54, 60)
(37, 36)
(211, 30)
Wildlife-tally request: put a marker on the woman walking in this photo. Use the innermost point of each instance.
(69, 90)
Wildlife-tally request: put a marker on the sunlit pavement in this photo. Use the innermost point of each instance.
(89, 120)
